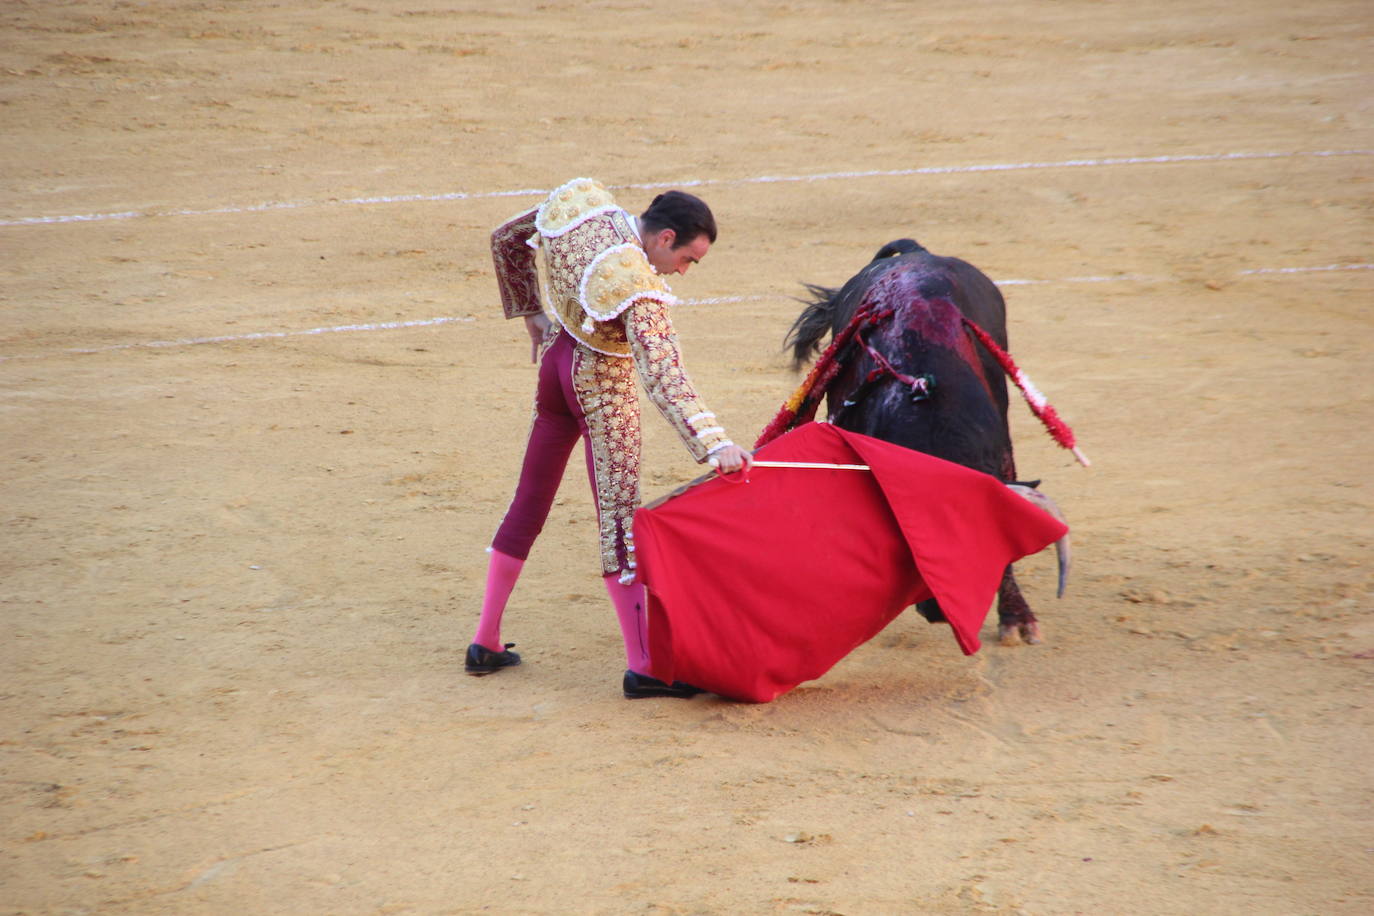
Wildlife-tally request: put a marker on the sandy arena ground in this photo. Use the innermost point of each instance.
(244, 511)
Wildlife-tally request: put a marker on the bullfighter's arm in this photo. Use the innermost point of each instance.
(653, 344)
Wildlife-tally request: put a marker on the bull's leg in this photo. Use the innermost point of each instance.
(1015, 620)
(930, 610)
(1008, 466)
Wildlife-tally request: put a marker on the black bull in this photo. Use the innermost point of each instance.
(915, 376)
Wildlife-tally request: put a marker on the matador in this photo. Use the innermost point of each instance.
(600, 270)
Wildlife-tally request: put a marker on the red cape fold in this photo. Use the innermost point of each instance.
(754, 587)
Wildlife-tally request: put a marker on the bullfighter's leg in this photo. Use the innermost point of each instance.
(554, 431)
(503, 570)
(610, 410)
(1015, 620)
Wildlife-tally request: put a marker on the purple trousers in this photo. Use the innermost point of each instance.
(558, 423)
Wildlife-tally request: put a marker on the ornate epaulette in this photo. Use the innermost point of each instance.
(618, 277)
(571, 205)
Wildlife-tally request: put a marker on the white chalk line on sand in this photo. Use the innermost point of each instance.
(239, 338)
(1146, 278)
(1121, 278)
(694, 183)
(717, 300)
(1303, 270)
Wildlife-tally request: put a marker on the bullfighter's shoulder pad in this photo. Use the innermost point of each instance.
(572, 204)
(619, 276)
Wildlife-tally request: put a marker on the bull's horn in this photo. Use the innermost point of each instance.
(1062, 549)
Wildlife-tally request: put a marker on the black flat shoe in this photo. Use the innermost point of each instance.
(641, 686)
(482, 661)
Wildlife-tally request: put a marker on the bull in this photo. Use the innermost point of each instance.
(917, 358)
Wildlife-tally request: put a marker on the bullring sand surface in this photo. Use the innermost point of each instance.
(260, 416)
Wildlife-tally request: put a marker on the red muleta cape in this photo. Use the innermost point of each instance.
(755, 587)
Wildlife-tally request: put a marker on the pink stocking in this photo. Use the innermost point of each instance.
(502, 571)
(629, 608)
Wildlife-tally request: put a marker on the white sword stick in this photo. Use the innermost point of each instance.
(715, 463)
(806, 464)
(811, 464)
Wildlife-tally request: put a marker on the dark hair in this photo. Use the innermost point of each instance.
(685, 214)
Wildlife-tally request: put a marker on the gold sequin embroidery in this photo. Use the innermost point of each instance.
(605, 387)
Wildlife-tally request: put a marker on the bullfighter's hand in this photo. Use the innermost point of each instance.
(731, 458)
(536, 325)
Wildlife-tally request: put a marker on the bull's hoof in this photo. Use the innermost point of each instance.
(1015, 634)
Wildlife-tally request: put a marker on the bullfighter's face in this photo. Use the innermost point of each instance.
(667, 259)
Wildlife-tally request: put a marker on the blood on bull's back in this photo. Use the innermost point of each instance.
(955, 412)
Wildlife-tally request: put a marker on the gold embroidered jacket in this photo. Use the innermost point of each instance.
(602, 289)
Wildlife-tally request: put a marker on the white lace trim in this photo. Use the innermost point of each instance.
(710, 431)
(715, 448)
(701, 416)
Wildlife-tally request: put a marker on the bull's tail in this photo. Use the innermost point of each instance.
(815, 321)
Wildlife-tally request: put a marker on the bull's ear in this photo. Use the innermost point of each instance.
(900, 246)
